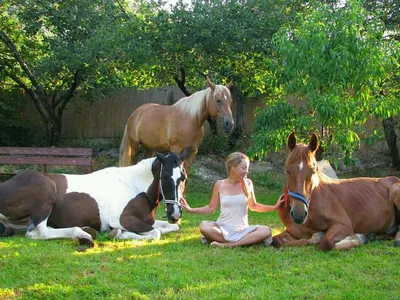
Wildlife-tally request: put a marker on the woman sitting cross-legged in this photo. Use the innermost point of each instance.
(235, 195)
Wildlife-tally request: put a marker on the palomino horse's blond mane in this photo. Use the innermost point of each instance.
(192, 106)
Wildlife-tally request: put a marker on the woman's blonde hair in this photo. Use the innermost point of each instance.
(234, 159)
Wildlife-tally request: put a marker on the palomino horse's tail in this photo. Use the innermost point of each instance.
(125, 150)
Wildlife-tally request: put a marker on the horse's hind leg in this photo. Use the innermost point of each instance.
(43, 232)
(128, 150)
(6, 231)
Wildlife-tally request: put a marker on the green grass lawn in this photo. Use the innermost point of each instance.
(180, 267)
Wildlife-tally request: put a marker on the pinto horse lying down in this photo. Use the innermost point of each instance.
(335, 214)
(120, 200)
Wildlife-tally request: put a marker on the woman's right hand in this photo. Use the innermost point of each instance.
(185, 205)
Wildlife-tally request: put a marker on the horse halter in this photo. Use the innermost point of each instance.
(296, 196)
(160, 188)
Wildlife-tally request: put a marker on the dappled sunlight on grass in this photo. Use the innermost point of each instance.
(8, 294)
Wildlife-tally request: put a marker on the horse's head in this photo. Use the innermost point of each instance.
(172, 181)
(220, 104)
(301, 176)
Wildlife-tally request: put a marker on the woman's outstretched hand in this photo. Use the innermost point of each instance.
(185, 205)
(280, 202)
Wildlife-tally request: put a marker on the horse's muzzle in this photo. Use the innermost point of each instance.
(299, 216)
(174, 214)
(227, 124)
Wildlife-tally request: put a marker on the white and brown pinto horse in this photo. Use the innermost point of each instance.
(334, 213)
(120, 200)
(172, 128)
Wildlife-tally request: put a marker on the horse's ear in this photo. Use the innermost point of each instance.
(291, 141)
(229, 85)
(314, 143)
(185, 154)
(210, 84)
(160, 157)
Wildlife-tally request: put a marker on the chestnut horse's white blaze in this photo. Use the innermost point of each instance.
(172, 128)
(120, 200)
(334, 213)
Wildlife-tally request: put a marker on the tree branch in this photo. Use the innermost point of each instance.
(68, 95)
(181, 82)
(10, 44)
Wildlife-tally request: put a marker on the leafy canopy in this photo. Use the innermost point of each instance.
(338, 63)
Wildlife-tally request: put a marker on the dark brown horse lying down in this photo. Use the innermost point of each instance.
(335, 214)
(123, 200)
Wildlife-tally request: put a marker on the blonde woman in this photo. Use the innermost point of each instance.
(234, 195)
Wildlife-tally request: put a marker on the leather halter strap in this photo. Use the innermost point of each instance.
(160, 191)
(294, 195)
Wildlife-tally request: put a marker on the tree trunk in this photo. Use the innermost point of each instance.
(53, 131)
(391, 139)
(239, 125)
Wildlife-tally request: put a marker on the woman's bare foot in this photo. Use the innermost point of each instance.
(218, 244)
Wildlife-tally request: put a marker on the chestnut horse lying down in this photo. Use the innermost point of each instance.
(120, 200)
(334, 213)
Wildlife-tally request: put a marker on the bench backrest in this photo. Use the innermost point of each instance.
(46, 156)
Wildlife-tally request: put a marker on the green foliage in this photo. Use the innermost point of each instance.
(12, 127)
(215, 144)
(274, 123)
(339, 63)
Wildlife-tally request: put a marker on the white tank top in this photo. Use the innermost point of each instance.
(234, 210)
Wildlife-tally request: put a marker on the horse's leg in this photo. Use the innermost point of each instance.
(286, 239)
(189, 160)
(6, 231)
(125, 150)
(43, 232)
(117, 233)
(165, 227)
(128, 150)
(136, 228)
(337, 233)
(148, 153)
(352, 241)
(394, 194)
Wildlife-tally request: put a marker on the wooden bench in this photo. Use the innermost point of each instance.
(45, 156)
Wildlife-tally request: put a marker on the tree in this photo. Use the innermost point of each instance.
(229, 40)
(338, 62)
(54, 49)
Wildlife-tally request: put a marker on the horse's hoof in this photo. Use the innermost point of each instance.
(5, 231)
(87, 242)
(276, 243)
(91, 231)
(81, 248)
(8, 232)
(115, 233)
(268, 241)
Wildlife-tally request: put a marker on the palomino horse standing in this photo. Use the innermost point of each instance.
(333, 213)
(175, 127)
(120, 200)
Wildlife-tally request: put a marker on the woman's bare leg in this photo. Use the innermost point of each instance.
(255, 237)
(211, 232)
